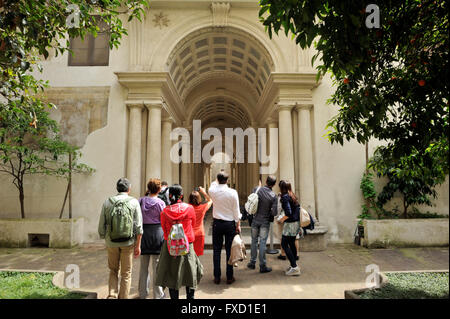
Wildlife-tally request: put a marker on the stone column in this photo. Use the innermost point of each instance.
(306, 164)
(273, 124)
(175, 173)
(153, 165)
(185, 176)
(186, 172)
(166, 145)
(285, 144)
(264, 175)
(134, 171)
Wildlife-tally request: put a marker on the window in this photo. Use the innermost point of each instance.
(92, 50)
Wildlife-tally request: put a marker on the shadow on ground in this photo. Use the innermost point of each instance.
(325, 274)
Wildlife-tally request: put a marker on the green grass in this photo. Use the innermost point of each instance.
(32, 285)
(425, 285)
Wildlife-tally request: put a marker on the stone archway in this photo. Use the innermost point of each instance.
(224, 77)
(220, 76)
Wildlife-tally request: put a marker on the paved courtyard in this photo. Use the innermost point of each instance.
(325, 274)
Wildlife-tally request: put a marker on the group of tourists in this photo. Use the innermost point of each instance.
(269, 206)
(148, 228)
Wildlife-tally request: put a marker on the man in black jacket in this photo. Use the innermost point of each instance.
(267, 209)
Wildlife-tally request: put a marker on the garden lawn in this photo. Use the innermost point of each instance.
(414, 285)
(32, 285)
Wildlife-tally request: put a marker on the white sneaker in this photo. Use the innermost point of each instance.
(293, 271)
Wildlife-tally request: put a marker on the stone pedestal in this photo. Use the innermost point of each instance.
(315, 240)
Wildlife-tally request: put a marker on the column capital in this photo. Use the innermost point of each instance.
(187, 126)
(168, 119)
(134, 104)
(285, 106)
(254, 125)
(151, 104)
(303, 106)
(271, 122)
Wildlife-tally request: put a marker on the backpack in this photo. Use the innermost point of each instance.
(121, 225)
(162, 196)
(177, 242)
(311, 224)
(251, 206)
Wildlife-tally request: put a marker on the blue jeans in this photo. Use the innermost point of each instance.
(260, 232)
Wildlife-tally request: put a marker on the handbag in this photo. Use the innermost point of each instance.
(305, 219)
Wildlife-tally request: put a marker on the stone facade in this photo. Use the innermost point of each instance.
(204, 60)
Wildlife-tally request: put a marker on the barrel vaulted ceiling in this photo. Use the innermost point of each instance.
(213, 55)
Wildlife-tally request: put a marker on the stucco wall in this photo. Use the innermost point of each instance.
(104, 150)
(338, 169)
(406, 232)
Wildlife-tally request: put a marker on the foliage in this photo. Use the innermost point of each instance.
(389, 81)
(415, 285)
(31, 30)
(368, 190)
(415, 213)
(33, 27)
(29, 285)
(411, 175)
(375, 202)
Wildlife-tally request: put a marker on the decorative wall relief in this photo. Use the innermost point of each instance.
(220, 11)
(80, 111)
(161, 20)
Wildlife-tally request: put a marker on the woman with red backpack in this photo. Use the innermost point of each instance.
(178, 264)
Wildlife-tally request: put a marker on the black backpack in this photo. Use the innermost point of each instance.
(162, 196)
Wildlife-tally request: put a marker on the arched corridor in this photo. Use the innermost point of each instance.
(225, 80)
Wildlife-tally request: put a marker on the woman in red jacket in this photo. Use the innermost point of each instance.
(200, 210)
(175, 272)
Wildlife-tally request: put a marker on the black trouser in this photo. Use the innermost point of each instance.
(175, 293)
(288, 244)
(221, 229)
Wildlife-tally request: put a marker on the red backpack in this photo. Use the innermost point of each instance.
(177, 242)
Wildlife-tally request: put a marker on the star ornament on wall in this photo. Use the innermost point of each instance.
(160, 20)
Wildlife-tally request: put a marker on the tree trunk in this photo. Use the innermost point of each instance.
(405, 208)
(22, 197)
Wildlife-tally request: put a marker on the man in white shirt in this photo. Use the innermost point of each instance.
(226, 223)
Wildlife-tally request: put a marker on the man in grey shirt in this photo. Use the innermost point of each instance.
(120, 254)
(267, 209)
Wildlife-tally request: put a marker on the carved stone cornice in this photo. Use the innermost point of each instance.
(153, 88)
(284, 89)
(300, 80)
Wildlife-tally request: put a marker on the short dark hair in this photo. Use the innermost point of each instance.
(271, 180)
(195, 198)
(164, 183)
(123, 185)
(222, 177)
(175, 193)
